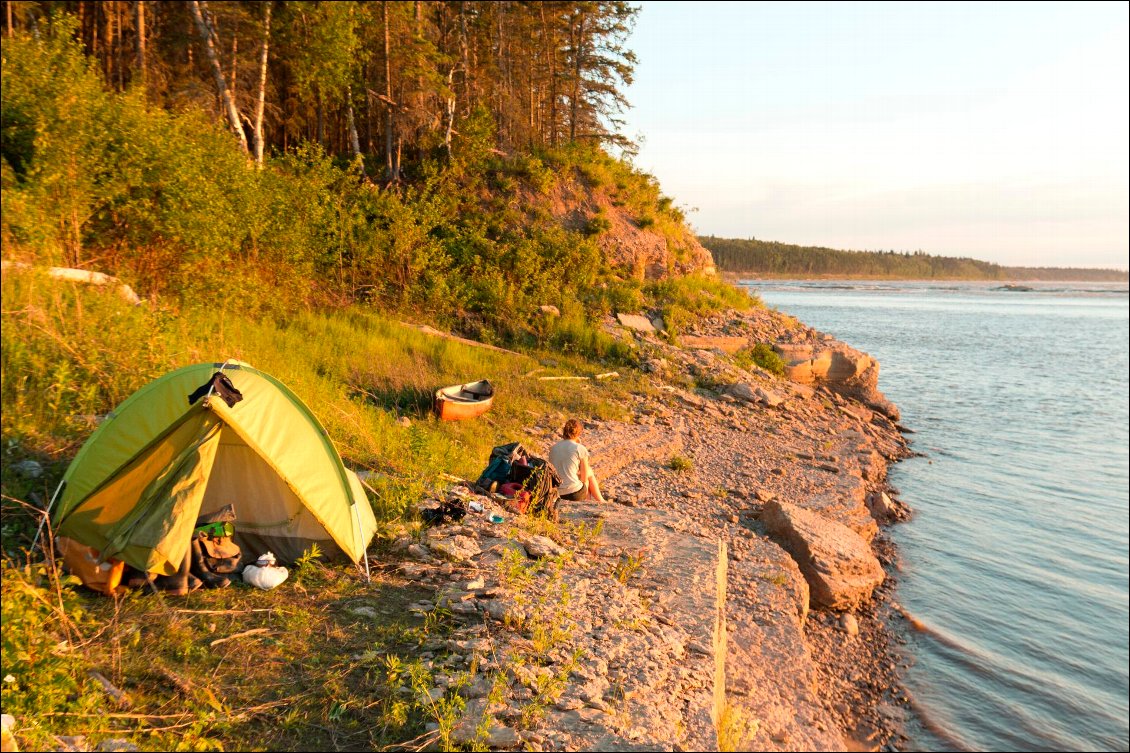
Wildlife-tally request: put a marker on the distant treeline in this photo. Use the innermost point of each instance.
(775, 259)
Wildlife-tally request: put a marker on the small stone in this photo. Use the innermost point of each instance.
(734, 518)
(850, 624)
(541, 546)
(368, 612)
(502, 737)
(419, 551)
(549, 309)
(404, 421)
(116, 745)
(28, 468)
(495, 609)
(568, 703)
(476, 584)
(764, 495)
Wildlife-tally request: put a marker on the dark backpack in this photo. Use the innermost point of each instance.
(541, 481)
(501, 465)
(535, 475)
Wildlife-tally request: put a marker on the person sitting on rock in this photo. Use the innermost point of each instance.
(570, 459)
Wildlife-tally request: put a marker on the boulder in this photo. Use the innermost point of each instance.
(881, 507)
(637, 322)
(770, 398)
(837, 562)
(550, 310)
(841, 368)
(742, 391)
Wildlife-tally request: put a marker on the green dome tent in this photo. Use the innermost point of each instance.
(157, 462)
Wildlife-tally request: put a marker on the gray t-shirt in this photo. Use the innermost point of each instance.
(565, 457)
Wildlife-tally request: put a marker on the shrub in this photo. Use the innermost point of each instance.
(680, 464)
(763, 355)
(597, 224)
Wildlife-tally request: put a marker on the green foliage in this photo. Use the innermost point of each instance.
(762, 355)
(48, 672)
(680, 464)
(684, 299)
(597, 224)
(775, 259)
(735, 728)
(628, 566)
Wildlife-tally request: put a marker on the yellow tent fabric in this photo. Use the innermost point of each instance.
(136, 487)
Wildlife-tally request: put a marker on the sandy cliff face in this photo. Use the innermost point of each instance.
(639, 249)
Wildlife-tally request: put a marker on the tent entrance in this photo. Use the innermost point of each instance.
(269, 515)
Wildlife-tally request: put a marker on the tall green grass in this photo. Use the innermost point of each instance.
(71, 353)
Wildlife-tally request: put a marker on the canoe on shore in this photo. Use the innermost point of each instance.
(462, 401)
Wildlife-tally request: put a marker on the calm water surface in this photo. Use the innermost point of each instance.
(1016, 559)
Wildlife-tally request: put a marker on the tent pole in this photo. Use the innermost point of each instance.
(46, 515)
(361, 536)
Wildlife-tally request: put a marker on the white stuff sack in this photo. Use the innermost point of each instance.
(264, 573)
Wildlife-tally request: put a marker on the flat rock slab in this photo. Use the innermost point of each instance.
(647, 679)
(770, 675)
(724, 343)
(637, 322)
(619, 445)
(837, 562)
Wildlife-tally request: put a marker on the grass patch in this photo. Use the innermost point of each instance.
(314, 680)
(735, 728)
(680, 464)
(763, 356)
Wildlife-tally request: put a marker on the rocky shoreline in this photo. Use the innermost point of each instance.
(737, 595)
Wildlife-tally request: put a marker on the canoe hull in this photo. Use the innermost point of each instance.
(462, 401)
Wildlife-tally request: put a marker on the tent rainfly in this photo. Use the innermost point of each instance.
(158, 461)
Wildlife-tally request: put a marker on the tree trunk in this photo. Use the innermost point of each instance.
(107, 41)
(354, 140)
(234, 59)
(321, 131)
(391, 162)
(204, 26)
(578, 54)
(11, 28)
(261, 101)
(551, 52)
(139, 24)
(450, 112)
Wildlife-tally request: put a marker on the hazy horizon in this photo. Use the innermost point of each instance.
(991, 131)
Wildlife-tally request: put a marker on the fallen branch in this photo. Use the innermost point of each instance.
(605, 375)
(436, 333)
(244, 634)
(222, 611)
(104, 715)
(80, 275)
(111, 690)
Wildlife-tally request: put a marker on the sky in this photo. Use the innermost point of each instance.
(993, 131)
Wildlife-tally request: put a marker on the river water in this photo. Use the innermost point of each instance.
(1016, 558)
